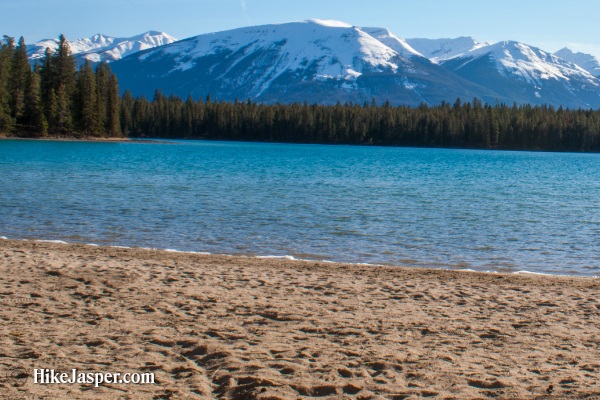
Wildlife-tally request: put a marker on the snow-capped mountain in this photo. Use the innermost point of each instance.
(101, 48)
(586, 61)
(527, 75)
(330, 61)
(438, 50)
(314, 61)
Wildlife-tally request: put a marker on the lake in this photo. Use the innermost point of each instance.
(440, 208)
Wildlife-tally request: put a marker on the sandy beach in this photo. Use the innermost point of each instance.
(224, 327)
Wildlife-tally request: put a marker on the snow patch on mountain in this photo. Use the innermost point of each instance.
(330, 23)
(438, 50)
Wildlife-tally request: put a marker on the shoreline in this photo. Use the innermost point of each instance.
(293, 258)
(70, 139)
(162, 139)
(242, 327)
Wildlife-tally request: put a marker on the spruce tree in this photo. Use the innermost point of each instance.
(126, 112)
(64, 66)
(63, 117)
(47, 85)
(6, 57)
(102, 73)
(51, 111)
(113, 107)
(86, 100)
(18, 81)
(33, 114)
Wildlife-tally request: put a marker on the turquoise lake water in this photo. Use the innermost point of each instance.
(440, 208)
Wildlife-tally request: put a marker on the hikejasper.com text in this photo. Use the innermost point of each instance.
(51, 377)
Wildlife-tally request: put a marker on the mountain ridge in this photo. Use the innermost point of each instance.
(328, 61)
(102, 48)
(313, 60)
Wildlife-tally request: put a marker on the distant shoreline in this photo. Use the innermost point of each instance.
(54, 138)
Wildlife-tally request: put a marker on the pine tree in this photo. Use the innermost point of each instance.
(51, 111)
(18, 80)
(86, 100)
(47, 85)
(64, 66)
(113, 107)
(63, 119)
(126, 113)
(102, 73)
(34, 115)
(189, 116)
(6, 56)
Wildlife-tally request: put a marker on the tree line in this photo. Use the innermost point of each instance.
(56, 98)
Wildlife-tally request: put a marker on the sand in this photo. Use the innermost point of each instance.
(228, 327)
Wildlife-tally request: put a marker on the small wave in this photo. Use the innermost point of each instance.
(51, 241)
(3, 238)
(547, 274)
(281, 258)
(370, 265)
(292, 258)
(183, 252)
(92, 244)
(531, 273)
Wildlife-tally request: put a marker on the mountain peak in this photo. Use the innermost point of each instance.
(153, 33)
(586, 61)
(99, 37)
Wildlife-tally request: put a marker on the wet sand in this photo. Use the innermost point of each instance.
(213, 327)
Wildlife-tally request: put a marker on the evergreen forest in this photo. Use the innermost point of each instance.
(59, 99)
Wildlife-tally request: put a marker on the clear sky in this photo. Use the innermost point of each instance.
(549, 24)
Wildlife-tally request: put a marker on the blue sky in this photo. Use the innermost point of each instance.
(548, 24)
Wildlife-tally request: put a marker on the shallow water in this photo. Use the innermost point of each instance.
(483, 210)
